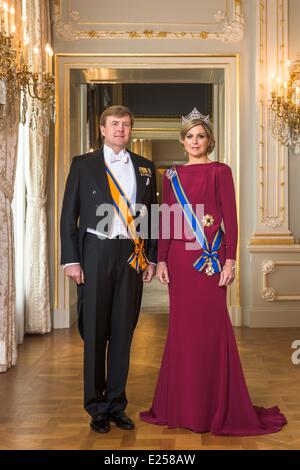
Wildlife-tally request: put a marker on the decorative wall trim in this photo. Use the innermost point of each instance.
(231, 28)
(269, 247)
(269, 293)
(282, 316)
(272, 157)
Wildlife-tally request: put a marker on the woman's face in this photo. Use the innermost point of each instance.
(196, 142)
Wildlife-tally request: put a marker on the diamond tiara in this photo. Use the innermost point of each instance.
(195, 114)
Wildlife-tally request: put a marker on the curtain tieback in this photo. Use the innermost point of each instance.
(36, 201)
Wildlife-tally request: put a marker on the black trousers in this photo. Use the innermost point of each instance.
(112, 294)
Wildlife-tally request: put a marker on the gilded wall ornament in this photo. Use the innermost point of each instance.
(232, 29)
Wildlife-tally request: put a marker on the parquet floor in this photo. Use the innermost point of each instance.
(41, 398)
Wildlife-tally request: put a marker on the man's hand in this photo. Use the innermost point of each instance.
(75, 272)
(162, 272)
(149, 273)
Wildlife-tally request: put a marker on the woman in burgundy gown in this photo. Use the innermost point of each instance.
(201, 385)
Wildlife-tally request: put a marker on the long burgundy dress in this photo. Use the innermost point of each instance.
(201, 385)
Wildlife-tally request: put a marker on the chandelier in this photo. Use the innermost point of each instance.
(17, 75)
(284, 108)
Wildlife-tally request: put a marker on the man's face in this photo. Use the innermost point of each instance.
(117, 131)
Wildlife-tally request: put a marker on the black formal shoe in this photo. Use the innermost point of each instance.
(100, 423)
(122, 420)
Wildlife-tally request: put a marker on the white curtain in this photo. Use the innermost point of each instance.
(37, 312)
(9, 128)
(19, 208)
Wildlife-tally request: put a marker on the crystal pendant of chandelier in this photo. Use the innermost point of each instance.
(284, 109)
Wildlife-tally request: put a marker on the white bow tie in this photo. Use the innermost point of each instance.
(121, 157)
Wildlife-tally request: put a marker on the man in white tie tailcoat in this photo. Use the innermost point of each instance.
(109, 289)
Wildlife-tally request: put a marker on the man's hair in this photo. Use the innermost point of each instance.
(117, 111)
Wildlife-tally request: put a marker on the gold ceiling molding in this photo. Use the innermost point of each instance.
(230, 28)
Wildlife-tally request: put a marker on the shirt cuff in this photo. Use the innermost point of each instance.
(68, 264)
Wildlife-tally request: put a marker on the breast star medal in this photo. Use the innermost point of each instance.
(143, 211)
(208, 220)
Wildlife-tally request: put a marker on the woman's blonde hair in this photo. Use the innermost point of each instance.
(187, 126)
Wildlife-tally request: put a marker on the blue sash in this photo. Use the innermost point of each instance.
(210, 256)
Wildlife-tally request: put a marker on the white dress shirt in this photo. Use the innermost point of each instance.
(122, 168)
(125, 175)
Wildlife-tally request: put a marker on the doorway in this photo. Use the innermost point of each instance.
(209, 83)
(158, 99)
